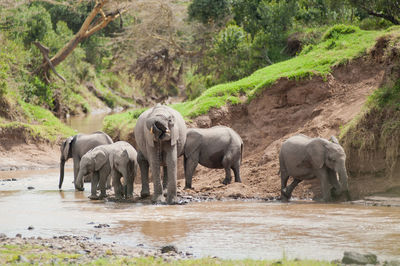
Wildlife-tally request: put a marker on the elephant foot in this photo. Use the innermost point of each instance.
(102, 196)
(285, 196)
(226, 181)
(160, 199)
(165, 192)
(144, 194)
(79, 188)
(94, 197)
(188, 187)
(129, 197)
(173, 200)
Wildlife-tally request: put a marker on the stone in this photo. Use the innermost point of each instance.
(30, 188)
(392, 263)
(18, 235)
(31, 227)
(2, 235)
(358, 258)
(169, 248)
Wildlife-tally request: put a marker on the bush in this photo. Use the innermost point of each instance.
(335, 31)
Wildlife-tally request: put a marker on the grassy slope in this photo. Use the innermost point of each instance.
(339, 45)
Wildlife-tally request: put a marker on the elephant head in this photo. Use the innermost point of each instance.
(160, 125)
(120, 161)
(66, 153)
(322, 153)
(92, 161)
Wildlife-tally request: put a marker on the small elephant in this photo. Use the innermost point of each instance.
(75, 147)
(160, 134)
(306, 158)
(217, 147)
(117, 159)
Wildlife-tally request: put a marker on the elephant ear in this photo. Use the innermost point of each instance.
(66, 147)
(315, 151)
(99, 160)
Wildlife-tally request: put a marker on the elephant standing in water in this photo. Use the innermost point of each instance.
(160, 134)
(217, 147)
(75, 147)
(303, 158)
(118, 159)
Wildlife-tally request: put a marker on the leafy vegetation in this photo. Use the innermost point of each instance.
(341, 44)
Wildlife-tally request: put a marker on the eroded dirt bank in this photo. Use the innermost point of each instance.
(316, 107)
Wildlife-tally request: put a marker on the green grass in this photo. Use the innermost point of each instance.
(340, 44)
(40, 124)
(27, 254)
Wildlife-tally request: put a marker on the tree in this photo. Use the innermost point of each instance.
(386, 9)
(207, 11)
(94, 22)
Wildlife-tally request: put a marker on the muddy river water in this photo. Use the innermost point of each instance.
(227, 229)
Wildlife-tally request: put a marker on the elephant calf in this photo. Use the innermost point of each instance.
(304, 158)
(217, 147)
(118, 159)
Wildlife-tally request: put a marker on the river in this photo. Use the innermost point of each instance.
(232, 229)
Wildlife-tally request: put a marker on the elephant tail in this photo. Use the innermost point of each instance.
(241, 151)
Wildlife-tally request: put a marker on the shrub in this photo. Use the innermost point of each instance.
(335, 31)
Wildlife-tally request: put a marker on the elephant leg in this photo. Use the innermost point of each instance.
(116, 178)
(325, 185)
(158, 196)
(165, 180)
(129, 180)
(228, 177)
(76, 170)
(236, 171)
(227, 165)
(144, 173)
(95, 181)
(190, 165)
(284, 179)
(171, 160)
(289, 189)
(103, 176)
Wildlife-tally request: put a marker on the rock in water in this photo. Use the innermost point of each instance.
(169, 248)
(360, 259)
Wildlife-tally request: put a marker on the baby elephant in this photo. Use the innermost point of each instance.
(118, 159)
(217, 147)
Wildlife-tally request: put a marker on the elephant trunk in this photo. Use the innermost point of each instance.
(344, 183)
(62, 164)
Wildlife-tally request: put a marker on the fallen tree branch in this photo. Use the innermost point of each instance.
(45, 52)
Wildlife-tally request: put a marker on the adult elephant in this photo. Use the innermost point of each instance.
(306, 158)
(160, 134)
(75, 147)
(216, 147)
(117, 159)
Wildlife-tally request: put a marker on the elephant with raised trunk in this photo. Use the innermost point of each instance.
(118, 159)
(217, 147)
(75, 147)
(160, 134)
(304, 158)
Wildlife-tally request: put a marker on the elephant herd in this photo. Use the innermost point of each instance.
(162, 136)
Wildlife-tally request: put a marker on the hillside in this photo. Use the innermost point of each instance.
(317, 94)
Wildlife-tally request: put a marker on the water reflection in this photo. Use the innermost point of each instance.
(88, 123)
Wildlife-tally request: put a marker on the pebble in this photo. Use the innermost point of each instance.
(30, 188)
(31, 227)
(358, 258)
(2, 235)
(18, 235)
